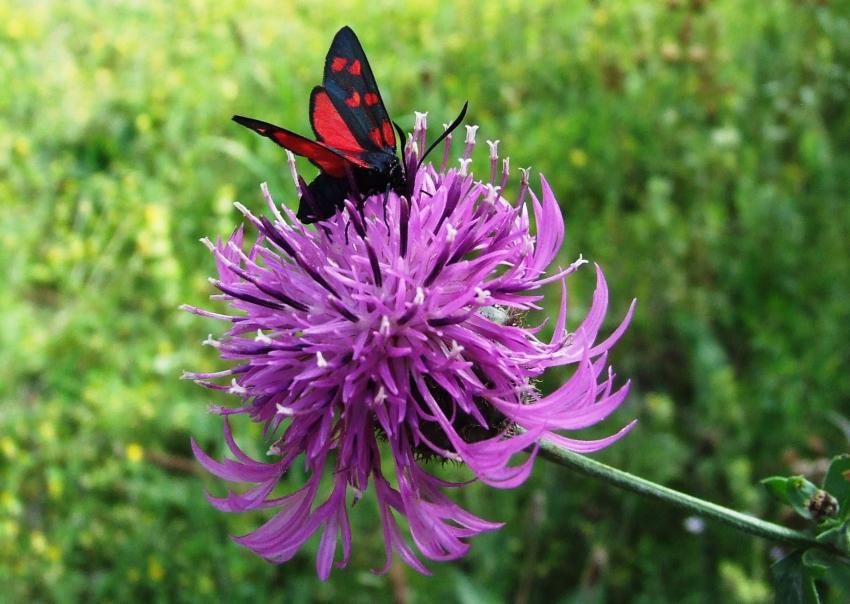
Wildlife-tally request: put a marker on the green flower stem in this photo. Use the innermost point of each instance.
(630, 482)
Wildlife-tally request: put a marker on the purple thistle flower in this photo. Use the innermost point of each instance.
(403, 322)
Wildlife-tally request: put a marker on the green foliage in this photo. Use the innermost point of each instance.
(795, 491)
(699, 151)
(792, 583)
(837, 483)
(795, 575)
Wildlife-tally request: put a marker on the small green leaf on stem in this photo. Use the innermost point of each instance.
(816, 562)
(837, 483)
(792, 581)
(838, 537)
(777, 486)
(795, 491)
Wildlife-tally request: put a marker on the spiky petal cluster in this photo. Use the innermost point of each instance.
(397, 321)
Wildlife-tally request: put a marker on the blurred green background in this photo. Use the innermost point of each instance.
(699, 151)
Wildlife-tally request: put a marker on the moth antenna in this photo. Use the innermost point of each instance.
(403, 137)
(457, 121)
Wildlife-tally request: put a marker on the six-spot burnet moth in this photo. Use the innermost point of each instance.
(355, 147)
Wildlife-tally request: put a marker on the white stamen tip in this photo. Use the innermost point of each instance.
(492, 193)
(293, 170)
(464, 165)
(384, 329)
(494, 149)
(320, 360)
(419, 298)
(211, 342)
(451, 232)
(579, 261)
(273, 450)
(380, 396)
(470, 134)
(262, 338)
(455, 350)
(284, 410)
(235, 388)
(421, 121)
(481, 295)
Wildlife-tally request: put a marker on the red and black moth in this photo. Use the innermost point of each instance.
(355, 147)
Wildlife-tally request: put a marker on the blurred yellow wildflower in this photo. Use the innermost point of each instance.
(134, 452)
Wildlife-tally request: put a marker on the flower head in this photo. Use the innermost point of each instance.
(395, 330)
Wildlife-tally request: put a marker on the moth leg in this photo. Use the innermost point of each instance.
(307, 197)
(386, 199)
(352, 182)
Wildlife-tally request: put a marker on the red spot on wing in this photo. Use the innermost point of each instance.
(354, 68)
(329, 125)
(375, 137)
(389, 135)
(371, 98)
(338, 63)
(353, 100)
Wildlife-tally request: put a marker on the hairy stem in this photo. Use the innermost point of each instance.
(636, 484)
